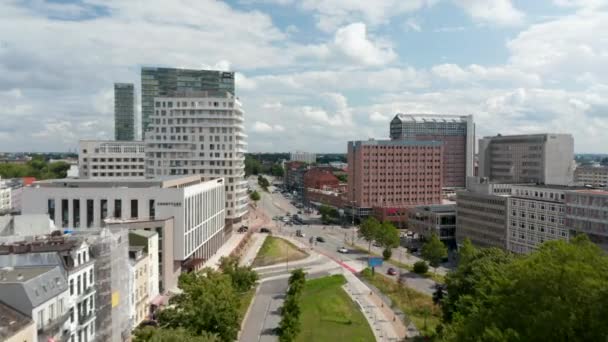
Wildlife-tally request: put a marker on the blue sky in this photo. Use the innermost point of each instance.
(312, 74)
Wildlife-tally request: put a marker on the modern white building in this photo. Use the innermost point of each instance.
(103, 159)
(5, 197)
(201, 133)
(306, 157)
(535, 214)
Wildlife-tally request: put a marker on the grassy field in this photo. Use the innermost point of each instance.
(329, 314)
(246, 299)
(276, 250)
(418, 307)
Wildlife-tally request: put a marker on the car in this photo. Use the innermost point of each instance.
(391, 271)
(243, 229)
(299, 212)
(264, 230)
(320, 239)
(342, 250)
(299, 233)
(285, 219)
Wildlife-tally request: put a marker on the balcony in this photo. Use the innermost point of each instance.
(53, 327)
(82, 319)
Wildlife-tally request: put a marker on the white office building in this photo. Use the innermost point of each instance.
(306, 157)
(102, 159)
(196, 207)
(201, 133)
(5, 199)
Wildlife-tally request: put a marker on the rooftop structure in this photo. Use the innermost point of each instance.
(15, 325)
(101, 159)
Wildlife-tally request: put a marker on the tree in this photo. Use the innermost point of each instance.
(263, 182)
(434, 251)
(420, 267)
(289, 326)
(208, 303)
(152, 334)
(252, 166)
(387, 236)
(343, 178)
(255, 196)
(556, 293)
(277, 170)
(369, 231)
(328, 213)
(243, 277)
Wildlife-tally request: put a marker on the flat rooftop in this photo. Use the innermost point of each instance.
(22, 274)
(396, 143)
(552, 186)
(592, 191)
(437, 208)
(418, 117)
(12, 321)
(158, 182)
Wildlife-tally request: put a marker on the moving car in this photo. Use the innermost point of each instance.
(264, 230)
(391, 271)
(342, 250)
(320, 239)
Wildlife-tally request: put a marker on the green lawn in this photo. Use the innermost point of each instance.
(329, 314)
(275, 250)
(246, 299)
(418, 307)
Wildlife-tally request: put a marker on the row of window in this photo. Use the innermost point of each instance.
(194, 104)
(89, 210)
(117, 160)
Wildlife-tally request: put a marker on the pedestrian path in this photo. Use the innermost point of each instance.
(224, 250)
(257, 240)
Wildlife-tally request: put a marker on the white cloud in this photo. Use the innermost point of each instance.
(352, 41)
(474, 73)
(262, 127)
(590, 4)
(412, 24)
(378, 117)
(244, 83)
(272, 105)
(499, 12)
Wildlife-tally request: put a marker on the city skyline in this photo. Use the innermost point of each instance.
(333, 70)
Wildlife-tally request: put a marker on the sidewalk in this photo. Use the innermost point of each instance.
(257, 240)
(224, 250)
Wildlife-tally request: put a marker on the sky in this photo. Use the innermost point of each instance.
(311, 74)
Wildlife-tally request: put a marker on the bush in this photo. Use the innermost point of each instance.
(421, 267)
(387, 253)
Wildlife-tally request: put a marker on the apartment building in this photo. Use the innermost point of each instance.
(457, 134)
(534, 158)
(148, 241)
(38, 292)
(591, 175)
(587, 212)
(394, 174)
(124, 111)
(201, 133)
(536, 213)
(294, 175)
(437, 219)
(138, 279)
(305, 157)
(102, 159)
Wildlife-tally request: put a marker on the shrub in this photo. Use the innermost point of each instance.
(387, 253)
(421, 267)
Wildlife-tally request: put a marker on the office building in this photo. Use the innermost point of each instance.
(439, 219)
(16, 327)
(201, 133)
(596, 176)
(305, 157)
(124, 112)
(534, 158)
(393, 174)
(139, 262)
(5, 199)
(294, 175)
(188, 212)
(101, 159)
(457, 134)
(148, 241)
(40, 293)
(161, 82)
(587, 212)
(536, 213)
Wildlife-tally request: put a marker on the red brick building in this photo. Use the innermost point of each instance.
(318, 178)
(394, 174)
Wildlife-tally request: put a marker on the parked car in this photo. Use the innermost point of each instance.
(391, 271)
(299, 212)
(342, 250)
(299, 233)
(243, 229)
(320, 239)
(264, 230)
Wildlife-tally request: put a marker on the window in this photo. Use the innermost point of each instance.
(40, 322)
(151, 209)
(64, 213)
(90, 203)
(117, 208)
(134, 209)
(91, 276)
(71, 287)
(51, 208)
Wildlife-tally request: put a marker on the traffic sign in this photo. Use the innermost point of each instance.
(374, 261)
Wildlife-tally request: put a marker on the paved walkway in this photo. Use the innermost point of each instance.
(224, 250)
(257, 240)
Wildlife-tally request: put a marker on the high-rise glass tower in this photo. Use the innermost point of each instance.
(157, 82)
(124, 111)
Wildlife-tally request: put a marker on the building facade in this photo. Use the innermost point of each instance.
(434, 219)
(456, 132)
(148, 240)
(201, 135)
(5, 199)
(535, 158)
(139, 273)
(587, 212)
(305, 157)
(100, 159)
(124, 112)
(590, 175)
(159, 82)
(394, 173)
(535, 214)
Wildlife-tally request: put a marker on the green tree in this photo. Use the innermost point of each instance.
(557, 293)
(387, 236)
(328, 214)
(243, 277)
(263, 182)
(252, 166)
(368, 230)
(152, 334)
(255, 196)
(208, 303)
(434, 251)
(289, 326)
(343, 178)
(277, 170)
(420, 267)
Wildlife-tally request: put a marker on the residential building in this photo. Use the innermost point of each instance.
(393, 174)
(201, 133)
(15, 326)
(101, 159)
(536, 213)
(195, 209)
(455, 132)
(534, 158)
(38, 292)
(305, 157)
(330, 197)
(434, 219)
(318, 178)
(294, 175)
(591, 175)
(139, 272)
(124, 112)
(148, 240)
(5, 199)
(159, 82)
(587, 212)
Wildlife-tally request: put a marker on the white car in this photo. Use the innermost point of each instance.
(342, 250)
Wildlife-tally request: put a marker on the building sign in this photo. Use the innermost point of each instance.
(169, 204)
